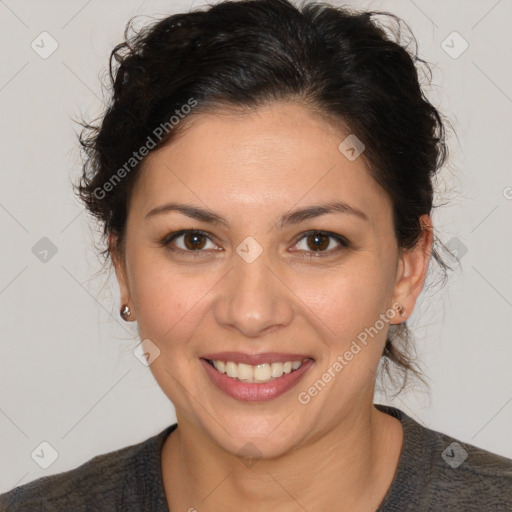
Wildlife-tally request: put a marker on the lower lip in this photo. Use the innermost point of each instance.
(253, 392)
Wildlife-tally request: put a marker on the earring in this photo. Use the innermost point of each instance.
(125, 312)
(401, 309)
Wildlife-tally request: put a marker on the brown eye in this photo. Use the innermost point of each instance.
(321, 242)
(194, 241)
(188, 241)
(318, 242)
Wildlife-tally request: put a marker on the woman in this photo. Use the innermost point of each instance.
(264, 178)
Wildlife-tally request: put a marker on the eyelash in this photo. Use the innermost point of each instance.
(344, 243)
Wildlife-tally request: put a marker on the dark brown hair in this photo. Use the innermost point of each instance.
(248, 53)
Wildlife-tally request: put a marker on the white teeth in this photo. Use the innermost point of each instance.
(245, 372)
(276, 369)
(231, 369)
(263, 372)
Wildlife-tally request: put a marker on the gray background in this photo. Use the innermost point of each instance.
(68, 375)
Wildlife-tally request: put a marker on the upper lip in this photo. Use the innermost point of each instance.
(254, 359)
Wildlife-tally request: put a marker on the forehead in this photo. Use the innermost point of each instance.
(265, 161)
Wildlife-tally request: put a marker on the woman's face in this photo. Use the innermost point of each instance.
(259, 281)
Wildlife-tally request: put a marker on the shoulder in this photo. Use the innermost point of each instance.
(102, 483)
(469, 476)
(439, 472)
(100, 477)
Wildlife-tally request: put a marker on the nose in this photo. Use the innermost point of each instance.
(253, 299)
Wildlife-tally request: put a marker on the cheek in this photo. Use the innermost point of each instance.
(349, 298)
(169, 301)
(353, 306)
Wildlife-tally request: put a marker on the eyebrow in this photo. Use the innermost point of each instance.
(294, 217)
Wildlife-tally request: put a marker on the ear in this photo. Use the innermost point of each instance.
(412, 270)
(120, 270)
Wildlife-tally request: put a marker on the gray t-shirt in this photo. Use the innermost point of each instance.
(435, 473)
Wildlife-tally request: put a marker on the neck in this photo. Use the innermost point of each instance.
(349, 467)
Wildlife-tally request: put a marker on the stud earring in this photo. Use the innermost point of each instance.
(125, 312)
(402, 311)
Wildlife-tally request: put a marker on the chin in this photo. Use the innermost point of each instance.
(256, 439)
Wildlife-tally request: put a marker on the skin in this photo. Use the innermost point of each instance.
(337, 452)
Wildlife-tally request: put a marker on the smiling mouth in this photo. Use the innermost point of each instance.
(258, 373)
